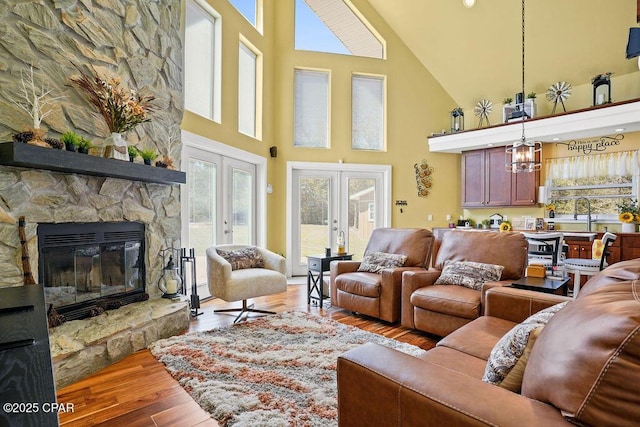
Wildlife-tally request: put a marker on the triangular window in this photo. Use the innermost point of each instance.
(334, 26)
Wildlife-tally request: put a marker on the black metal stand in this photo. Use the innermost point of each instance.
(194, 302)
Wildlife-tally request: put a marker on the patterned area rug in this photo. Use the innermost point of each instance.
(277, 370)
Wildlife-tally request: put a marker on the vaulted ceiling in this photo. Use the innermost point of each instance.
(475, 53)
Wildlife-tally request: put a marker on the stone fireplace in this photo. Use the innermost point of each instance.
(139, 41)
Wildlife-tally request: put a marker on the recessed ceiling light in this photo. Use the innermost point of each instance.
(556, 139)
(490, 144)
(619, 129)
(468, 3)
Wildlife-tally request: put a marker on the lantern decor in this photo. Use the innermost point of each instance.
(170, 282)
(190, 259)
(457, 120)
(601, 89)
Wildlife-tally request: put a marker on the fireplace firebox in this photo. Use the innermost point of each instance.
(87, 267)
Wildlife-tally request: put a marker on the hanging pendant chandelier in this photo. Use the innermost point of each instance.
(523, 155)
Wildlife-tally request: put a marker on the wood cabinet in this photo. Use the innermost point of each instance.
(630, 246)
(486, 183)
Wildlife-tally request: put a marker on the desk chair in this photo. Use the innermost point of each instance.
(589, 267)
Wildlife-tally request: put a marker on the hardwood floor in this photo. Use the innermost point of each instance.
(138, 391)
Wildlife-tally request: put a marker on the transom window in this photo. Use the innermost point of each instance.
(604, 179)
(251, 10)
(335, 26)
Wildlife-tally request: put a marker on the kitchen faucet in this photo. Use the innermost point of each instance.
(575, 211)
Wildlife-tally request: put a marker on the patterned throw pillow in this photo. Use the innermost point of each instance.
(510, 348)
(469, 274)
(375, 262)
(243, 258)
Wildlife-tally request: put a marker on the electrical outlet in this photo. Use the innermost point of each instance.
(448, 217)
(429, 217)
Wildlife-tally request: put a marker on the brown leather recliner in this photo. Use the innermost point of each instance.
(378, 295)
(441, 309)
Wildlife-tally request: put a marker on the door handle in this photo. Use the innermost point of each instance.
(335, 228)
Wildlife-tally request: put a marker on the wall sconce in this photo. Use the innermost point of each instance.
(457, 120)
(601, 89)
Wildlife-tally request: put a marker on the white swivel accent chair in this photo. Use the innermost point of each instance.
(588, 267)
(241, 283)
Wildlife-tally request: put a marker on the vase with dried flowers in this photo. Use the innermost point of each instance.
(122, 109)
(629, 215)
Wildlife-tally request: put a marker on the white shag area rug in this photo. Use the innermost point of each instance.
(276, 370)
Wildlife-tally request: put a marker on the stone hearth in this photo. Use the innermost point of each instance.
(140, 41)
(82, 347)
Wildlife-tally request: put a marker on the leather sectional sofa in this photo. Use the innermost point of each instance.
(583, 369)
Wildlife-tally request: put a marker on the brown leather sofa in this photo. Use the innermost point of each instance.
(378, 294)
(583, 369)
(441, 309)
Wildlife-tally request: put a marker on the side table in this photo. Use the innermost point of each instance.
(550, 286)
(316, 266)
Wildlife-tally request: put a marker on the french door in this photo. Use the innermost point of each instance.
(220, 206)
(326, 205)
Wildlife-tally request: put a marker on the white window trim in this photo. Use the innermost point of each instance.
(370, 27)
(196, 141)
(259, 87)
(217, 57)
(384, 110)
(344, 167)
(320, 70)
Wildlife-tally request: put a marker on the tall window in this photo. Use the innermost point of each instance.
(202, 60)
(605, 179)
(248, 92)
(368, 113)
(311, 116)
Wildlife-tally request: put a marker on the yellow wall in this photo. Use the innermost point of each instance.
(416, 104)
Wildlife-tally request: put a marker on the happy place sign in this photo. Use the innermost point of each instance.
(588, 146)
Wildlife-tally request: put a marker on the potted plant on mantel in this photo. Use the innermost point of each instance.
(71, 140)
(147, 154)
(122, 109)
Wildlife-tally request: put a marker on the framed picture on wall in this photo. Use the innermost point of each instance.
(539, 224)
